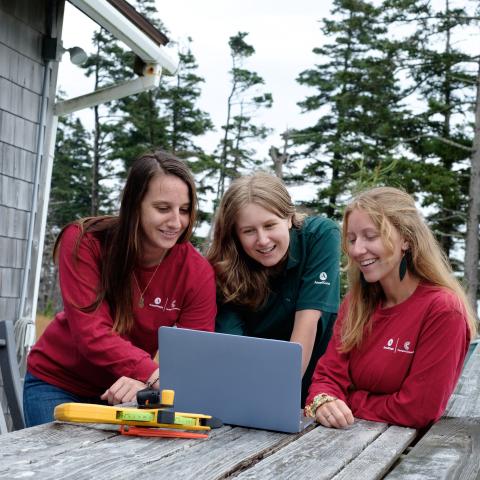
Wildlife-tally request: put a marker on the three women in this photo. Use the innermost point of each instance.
(403, 329)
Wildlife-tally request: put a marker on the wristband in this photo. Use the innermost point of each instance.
(318, 401)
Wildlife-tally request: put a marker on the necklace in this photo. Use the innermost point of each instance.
(141, 300)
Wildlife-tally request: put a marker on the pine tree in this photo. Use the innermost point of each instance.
(166, 117)
(442, 87)
(186, 120)
(357, 97)
(70, 199)
(107, 67)
(235, 153)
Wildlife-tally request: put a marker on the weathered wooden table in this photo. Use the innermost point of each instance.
(366, 450)
(66, 451)
(451, 448)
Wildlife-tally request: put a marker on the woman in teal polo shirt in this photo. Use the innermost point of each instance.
(277, 271)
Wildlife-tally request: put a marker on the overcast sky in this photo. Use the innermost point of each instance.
(282, 32)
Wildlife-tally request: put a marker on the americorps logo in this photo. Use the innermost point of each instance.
(323, 279)
(395, 345)
(165, 305)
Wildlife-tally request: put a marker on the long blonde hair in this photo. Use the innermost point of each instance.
(240, 279)
(393, 208)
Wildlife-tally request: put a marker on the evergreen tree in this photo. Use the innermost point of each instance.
(235, 152)
(441, 85)
(71, 174)
(70, 199)
(187, 121)
(167, 117)
(357, 97)
(107, 67)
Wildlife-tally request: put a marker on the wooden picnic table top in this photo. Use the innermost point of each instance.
(67, 451)
(451, 447)
(366, 450)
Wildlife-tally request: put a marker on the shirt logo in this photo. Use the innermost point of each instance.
(166, 306)
(323, 279)
(394, 345)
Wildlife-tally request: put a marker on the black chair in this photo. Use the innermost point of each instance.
(11, 374)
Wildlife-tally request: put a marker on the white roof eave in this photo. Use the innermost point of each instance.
(119, 26)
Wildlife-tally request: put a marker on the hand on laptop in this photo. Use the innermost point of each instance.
(334, 414)
(123, 390)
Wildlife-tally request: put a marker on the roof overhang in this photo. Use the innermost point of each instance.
(128, 30)
(127, 25)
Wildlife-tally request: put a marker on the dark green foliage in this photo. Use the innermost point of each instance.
(70, 193)
(358, 100)
(440, 76)
(235, 153)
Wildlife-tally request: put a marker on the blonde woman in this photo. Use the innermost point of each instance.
(277, 271)
(403, 329)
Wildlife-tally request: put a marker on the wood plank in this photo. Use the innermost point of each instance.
(126, 457)
(217, 458)
(15, 193)
(26, 10)
(17, 162)
(320, 454)
(109, 456)
(19, 101)
(465, 402)
(19, 449)
(8, 308)
(12, 254)
(10, 281)
(13, 222)
(20, 36)
(21, 70)
(375, 461)
(449, 450)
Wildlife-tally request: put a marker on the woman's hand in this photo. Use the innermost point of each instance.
(334, 414)
(123, 390)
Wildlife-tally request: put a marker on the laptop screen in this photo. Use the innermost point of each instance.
(245, 381)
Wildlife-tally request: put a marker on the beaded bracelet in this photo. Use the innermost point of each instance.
(317, 401)
(150, 384)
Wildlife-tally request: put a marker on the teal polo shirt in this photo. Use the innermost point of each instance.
(310, 281)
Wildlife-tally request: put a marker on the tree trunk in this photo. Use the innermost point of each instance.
(279, 159)
(471, 242)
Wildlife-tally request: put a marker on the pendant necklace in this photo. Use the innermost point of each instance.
(141, 300)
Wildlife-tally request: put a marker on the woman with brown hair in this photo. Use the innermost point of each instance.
(277, 271)
(121, 278)
(404, 328)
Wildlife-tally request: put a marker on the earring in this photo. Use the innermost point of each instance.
(402, 269)
(363, 282)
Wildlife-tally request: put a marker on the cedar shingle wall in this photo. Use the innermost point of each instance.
(22, 27)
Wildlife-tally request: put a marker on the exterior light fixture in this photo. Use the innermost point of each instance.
(78, 55)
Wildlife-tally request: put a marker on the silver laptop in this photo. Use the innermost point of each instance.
(244, 381)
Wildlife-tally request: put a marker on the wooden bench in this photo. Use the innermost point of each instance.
(451, 448)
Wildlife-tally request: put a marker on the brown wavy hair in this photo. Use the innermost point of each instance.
(240, 279)
(390, 208)
(120, 235)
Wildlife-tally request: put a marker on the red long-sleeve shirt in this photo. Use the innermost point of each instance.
(407, 367)
(80, 353)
